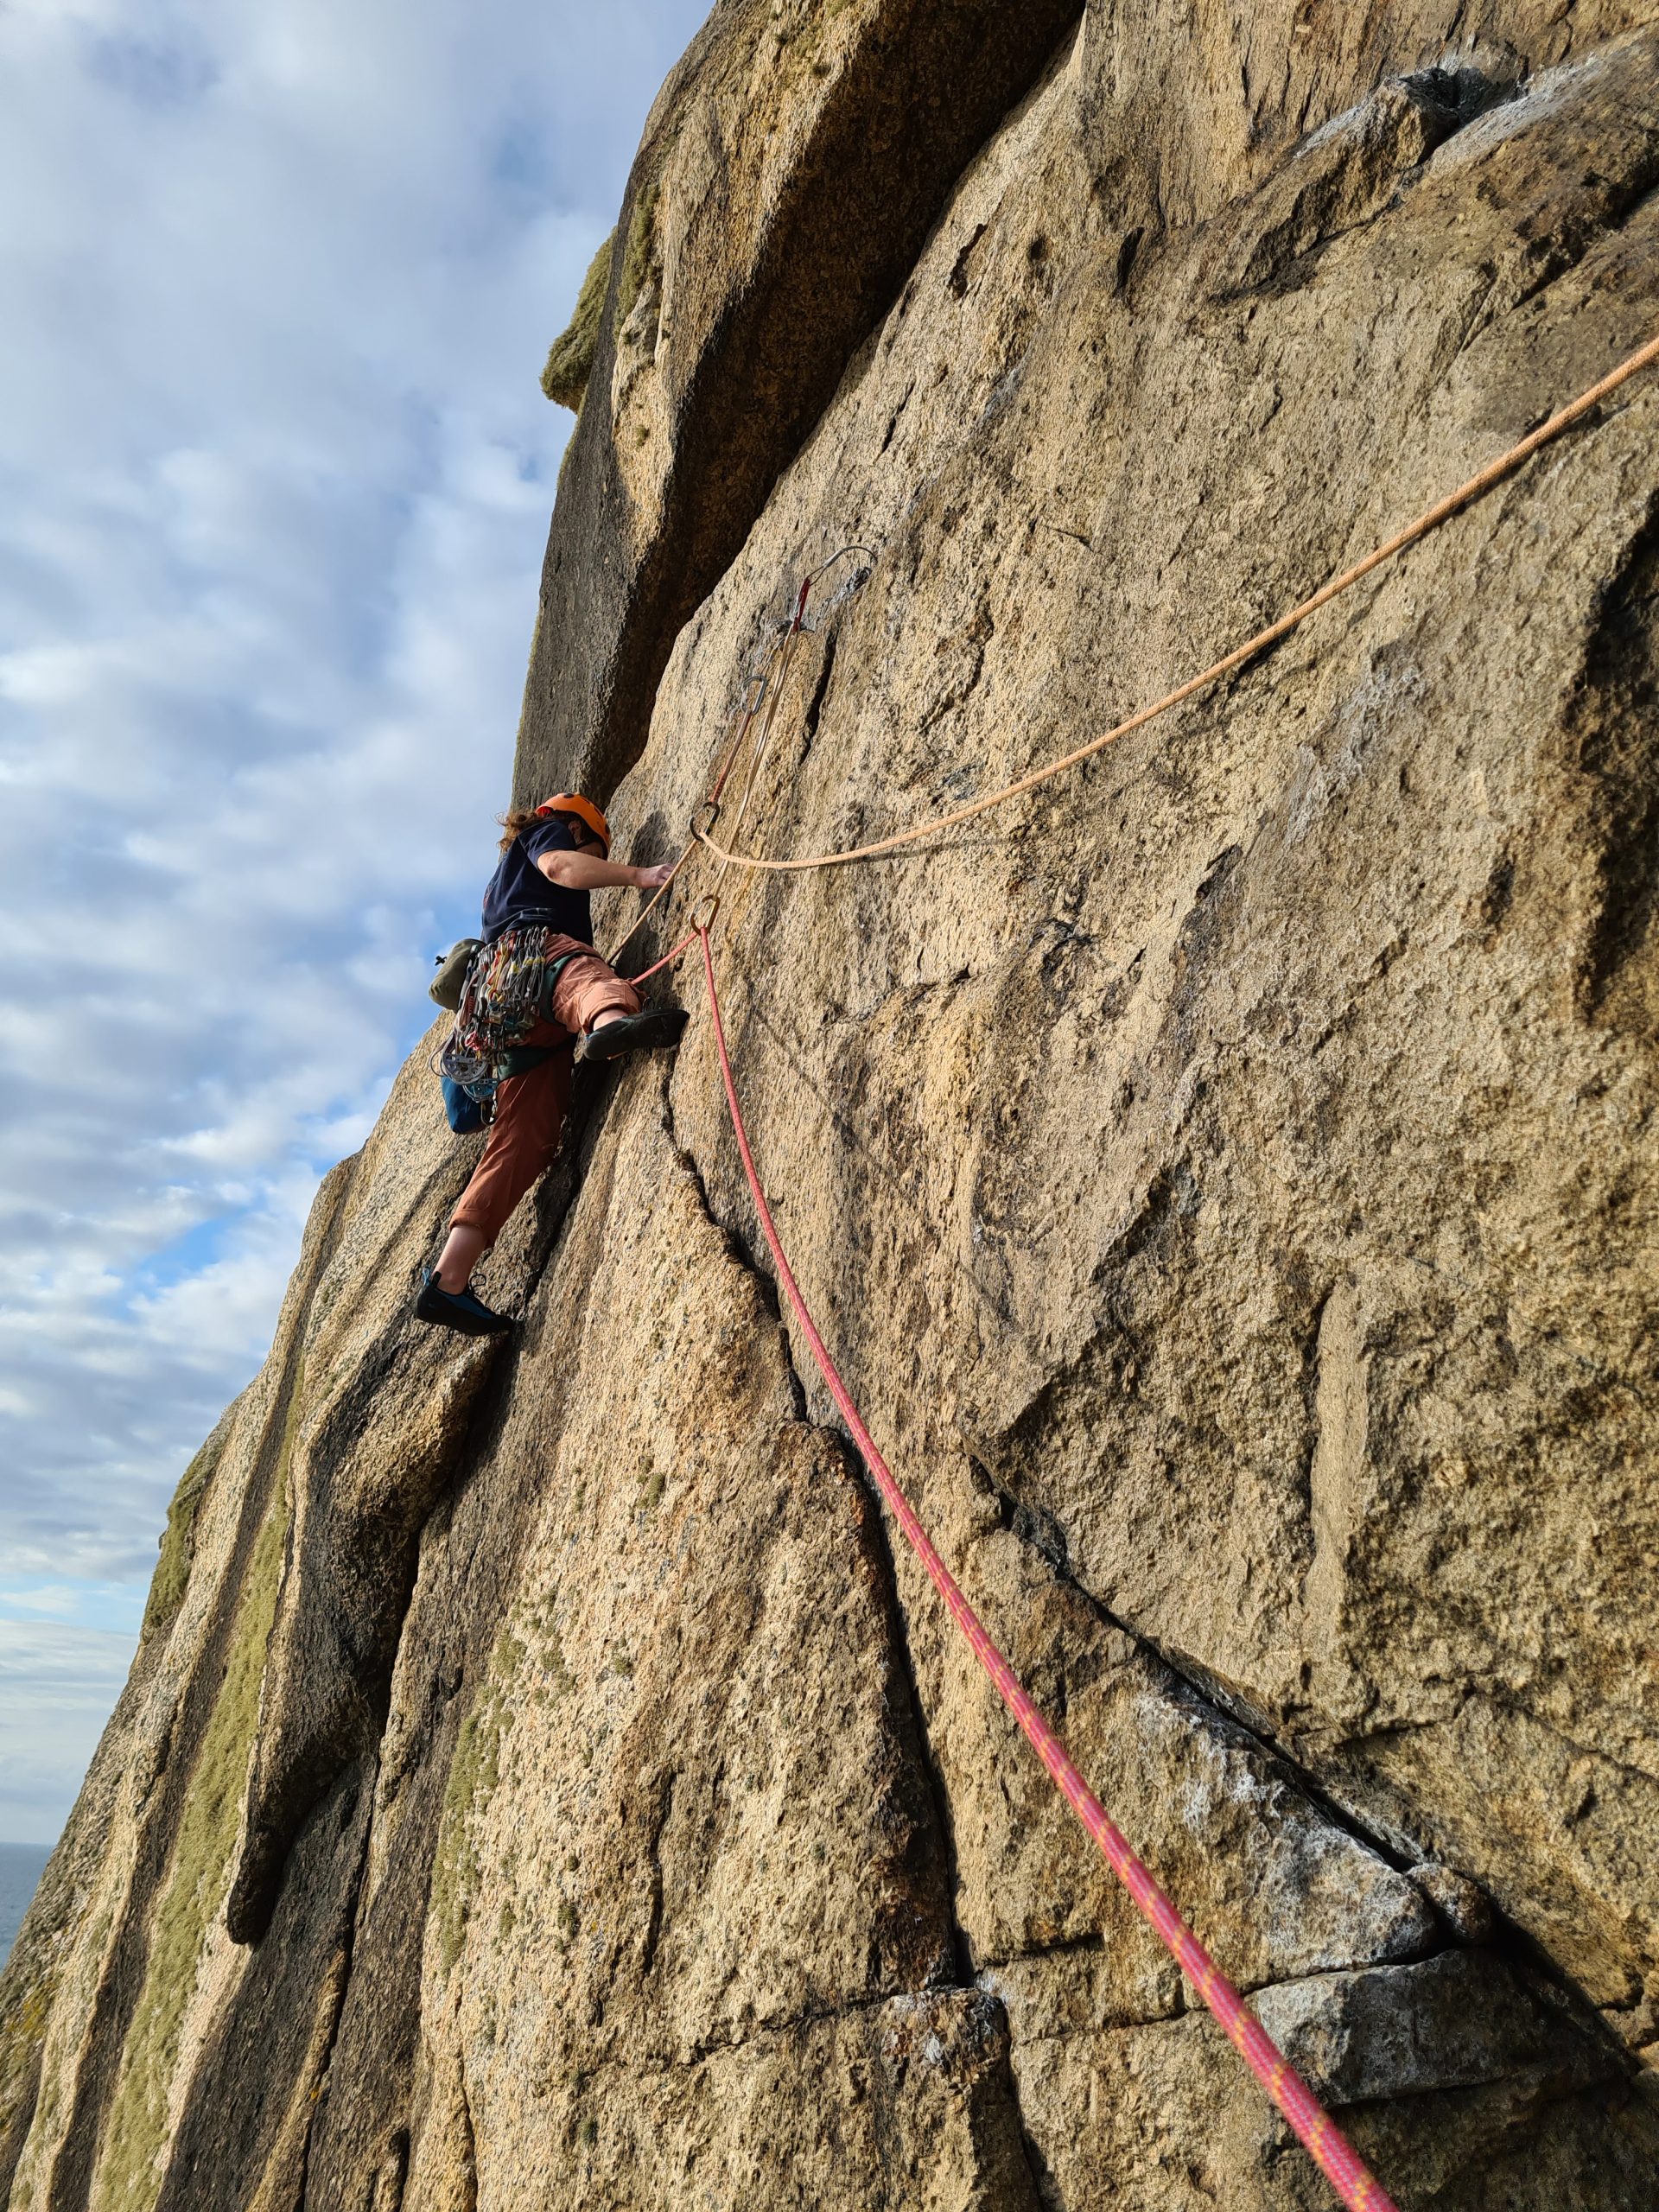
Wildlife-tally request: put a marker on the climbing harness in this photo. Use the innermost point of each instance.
(1358, 2189)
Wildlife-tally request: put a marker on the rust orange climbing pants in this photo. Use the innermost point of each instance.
(529, 1110)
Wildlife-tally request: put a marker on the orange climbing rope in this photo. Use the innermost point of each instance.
(742, 720)
(1325, 2141)
(1494, 472)
(765, 688)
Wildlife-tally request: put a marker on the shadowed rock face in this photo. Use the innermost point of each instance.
(791, 169)
(1226, 1178)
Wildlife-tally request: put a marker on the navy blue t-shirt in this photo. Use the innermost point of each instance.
(519, 893)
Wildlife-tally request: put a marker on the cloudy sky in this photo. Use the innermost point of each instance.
(276, 280)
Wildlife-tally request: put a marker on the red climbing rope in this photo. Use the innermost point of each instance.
(1320, 2134)
(683, 945)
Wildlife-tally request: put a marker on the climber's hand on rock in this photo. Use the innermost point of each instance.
(653, 878)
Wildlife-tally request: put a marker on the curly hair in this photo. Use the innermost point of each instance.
(519, 818)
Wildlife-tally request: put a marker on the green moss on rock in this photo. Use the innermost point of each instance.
(637, 260)
(129, 2171)
(172, 1575)
(22, 2031)
(473, 1773)
(571, 359)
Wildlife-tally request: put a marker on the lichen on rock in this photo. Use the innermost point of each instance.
(198, 1876)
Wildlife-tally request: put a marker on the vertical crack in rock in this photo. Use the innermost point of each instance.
(266, 2054)
(937, 1791)
(468, 2138)
(1612, 721)
(661, 1813)
(344, 1599)
(737, 1246)
(368, 1493)
(881, 1547)
(921, 1744)
(814, 713)
(319, 2088)
(939, 1794)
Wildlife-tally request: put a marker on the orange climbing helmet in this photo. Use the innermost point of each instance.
(583, 809)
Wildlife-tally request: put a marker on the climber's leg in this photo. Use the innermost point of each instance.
(464, 1248)
(603, 1011)
(588, 994)
(529, 1112)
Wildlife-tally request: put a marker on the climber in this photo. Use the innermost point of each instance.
(538, 999)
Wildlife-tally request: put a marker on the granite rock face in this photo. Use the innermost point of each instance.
(1227, 1177)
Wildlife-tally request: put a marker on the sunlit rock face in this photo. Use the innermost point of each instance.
(1226, 1176)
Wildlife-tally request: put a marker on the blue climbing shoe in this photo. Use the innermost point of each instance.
(457, 1309)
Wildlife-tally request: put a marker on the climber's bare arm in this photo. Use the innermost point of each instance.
(587, 872)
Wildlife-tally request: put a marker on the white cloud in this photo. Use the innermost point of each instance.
(274, 475)
(57, 1685)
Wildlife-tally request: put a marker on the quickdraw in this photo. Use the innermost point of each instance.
(505, 995)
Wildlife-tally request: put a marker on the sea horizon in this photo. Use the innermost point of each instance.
(22, 1865)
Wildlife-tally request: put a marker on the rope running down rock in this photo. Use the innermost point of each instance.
(1320, 2134)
